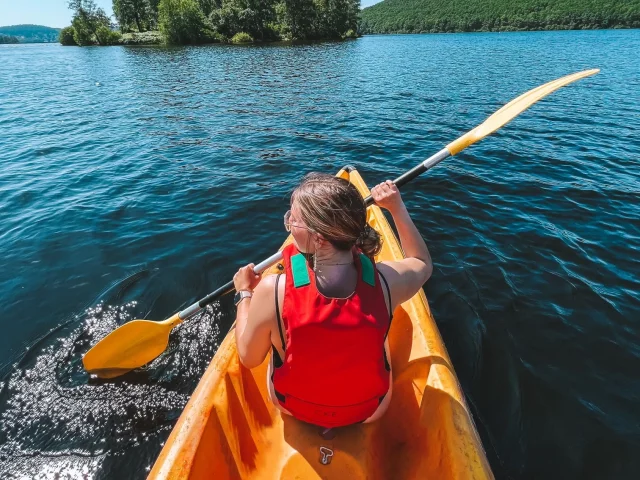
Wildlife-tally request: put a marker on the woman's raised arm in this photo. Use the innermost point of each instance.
(405, 276)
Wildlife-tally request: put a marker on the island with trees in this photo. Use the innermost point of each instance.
(208, 21)
(435, 16)
(28, 34)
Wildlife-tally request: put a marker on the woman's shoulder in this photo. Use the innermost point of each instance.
(388, 273)
(264, 295)
(268, 282)
(392, 273)
(385, 268)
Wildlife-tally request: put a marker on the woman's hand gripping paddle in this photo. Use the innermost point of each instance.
(138, 342)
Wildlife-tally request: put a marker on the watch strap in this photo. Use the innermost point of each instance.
(241, 295)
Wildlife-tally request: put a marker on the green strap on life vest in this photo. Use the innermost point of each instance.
(299, 270)
(301, 274)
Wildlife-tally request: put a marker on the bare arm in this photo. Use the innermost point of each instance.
(254, 317)
(405, 276)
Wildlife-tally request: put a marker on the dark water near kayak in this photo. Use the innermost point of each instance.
(133, 181)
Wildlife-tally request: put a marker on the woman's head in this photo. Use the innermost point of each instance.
(332, 209)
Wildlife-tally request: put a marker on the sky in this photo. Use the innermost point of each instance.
(54, 13)
(50, 13)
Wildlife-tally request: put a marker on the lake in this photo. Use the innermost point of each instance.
(133, 181)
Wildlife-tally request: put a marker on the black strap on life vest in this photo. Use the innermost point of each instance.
(384, 350)
(278, 313)
(390, 304)
(277, 361)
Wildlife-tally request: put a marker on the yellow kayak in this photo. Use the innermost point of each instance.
(230, 429)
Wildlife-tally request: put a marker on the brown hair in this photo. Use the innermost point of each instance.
(333, 207)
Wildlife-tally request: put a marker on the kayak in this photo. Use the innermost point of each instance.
(230, 428)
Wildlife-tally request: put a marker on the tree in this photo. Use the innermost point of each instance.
(182, 22)
(81, 33)
(136, 13)
(67, 36)
(257, 17)
(207, 6)
(253, 17)
(87, 20)
(153, 15)
(299, 17)
(336, 17)
(106, 36)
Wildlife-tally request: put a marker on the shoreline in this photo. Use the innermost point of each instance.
(306, 42)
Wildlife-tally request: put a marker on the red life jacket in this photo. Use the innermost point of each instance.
(335, 370)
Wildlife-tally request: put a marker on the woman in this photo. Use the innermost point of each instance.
(326, 318)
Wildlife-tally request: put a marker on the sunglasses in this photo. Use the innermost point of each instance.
(288, 224)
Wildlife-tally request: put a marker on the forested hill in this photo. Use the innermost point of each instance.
(421, 16)
(31, 33)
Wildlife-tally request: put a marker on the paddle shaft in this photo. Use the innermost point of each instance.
(226, 288)
(419, 169)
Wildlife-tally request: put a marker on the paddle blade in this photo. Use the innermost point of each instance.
(130, 346)
(513, 109)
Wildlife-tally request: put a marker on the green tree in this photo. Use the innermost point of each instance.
(253, 17)
(314, 19)
(87, 19)
(153, 6)
(226, 19)
(67, 36)
(182, 22)
(298, 19)
(106, 36)
(137, 14)
(334, 18)
(207, 6)
(82, 35)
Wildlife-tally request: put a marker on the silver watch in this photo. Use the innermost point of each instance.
(242, 294)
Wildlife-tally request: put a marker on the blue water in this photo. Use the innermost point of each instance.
(133, 181)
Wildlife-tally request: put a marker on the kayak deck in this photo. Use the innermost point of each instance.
(230, 429)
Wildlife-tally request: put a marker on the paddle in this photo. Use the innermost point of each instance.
(138, 342)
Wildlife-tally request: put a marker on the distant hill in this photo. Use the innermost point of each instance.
(31, 33)
(418, 16)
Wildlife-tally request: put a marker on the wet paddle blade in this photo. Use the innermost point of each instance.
(130, 346)
(513, 109)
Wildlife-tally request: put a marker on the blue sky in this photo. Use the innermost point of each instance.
(51, 13)
(54, 13)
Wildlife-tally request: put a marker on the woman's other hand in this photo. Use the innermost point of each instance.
(246, 279)
(386, 195)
